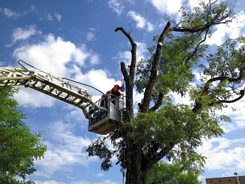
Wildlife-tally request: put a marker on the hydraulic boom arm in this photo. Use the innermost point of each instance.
(60, 88)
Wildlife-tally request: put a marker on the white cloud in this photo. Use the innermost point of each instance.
(54, 16)
(224, 154)
(61, 58)
(167, 6)
(65, 149)
(31, 98)
(141, 22)
(98, 79)
(53, 54)
(178, 99)
(137, 99)
(195, 3)
(95, 59)
(125, 56)
(116, 6)
(232, 30)
(24, 33)
(9, 13)
(90, 36)
(235, 111)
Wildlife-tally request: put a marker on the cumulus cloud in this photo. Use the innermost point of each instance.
(223, 153)
(116, 6)
(235, 111)
(50, 55)
(63, 59)
(167, 6)
(53, 54)
(233, 30)
(23, 33)
(141, 22)
(30, 98)
(65, 149)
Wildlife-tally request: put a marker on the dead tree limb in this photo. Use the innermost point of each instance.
(144, 106)
(129, 77)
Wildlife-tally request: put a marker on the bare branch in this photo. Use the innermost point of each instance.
(126, 34)
(153, 75)
(124, 72)
(200, 29)
(229, 101)
(133, 53)
(130, 77)
(222, 78)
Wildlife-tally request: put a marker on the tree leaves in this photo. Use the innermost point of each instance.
(170, 173)
(99, 148)
(18, 147)
(223, 76)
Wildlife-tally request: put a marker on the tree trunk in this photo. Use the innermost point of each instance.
(135, 167)
(136, 177)
(135, 164)
(136, 173)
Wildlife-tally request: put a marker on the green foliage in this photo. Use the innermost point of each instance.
(223, 75)
(18, 147)
(175, 69)
(176, 125)
(206, 14)
(171, 174)
(100, 149)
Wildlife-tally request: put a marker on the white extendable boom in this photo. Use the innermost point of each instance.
(56, 87)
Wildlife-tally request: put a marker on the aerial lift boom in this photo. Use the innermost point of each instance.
(102, 119)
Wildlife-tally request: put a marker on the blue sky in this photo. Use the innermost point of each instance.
(76, 39)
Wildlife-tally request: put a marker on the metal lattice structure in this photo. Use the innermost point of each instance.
(56, 87)
(104, 115)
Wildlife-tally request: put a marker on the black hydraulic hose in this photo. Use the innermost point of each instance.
(84, 85)
(21, 61)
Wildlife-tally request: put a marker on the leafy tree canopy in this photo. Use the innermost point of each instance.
(171, 174)
(181, 63)
(18, 147)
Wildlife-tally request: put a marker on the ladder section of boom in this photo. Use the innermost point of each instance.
(56, 87)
